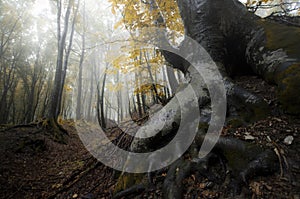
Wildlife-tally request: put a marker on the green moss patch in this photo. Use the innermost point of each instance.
(281, 36)
(289, 89)
(127, 180)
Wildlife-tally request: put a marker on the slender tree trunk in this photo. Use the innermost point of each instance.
(79, 92)
(172, 79)
(103, 123)
(61, 69)
(66, 59)
(32, 92)
(8, 81)
(90, 105)
(139, 105)
(120, 99)
(55, 101)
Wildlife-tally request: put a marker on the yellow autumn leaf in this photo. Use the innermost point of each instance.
(119, 23)
(113, 11)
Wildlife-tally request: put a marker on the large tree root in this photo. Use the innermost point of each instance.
(243, 162)
(10, 127)
(56, 130)
(172, 187)
(135, 189)
(240, 160)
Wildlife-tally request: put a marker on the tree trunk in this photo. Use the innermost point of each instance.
(119, 100)
(32, 102)
(243, 43)
(91, 93)
(138, 99)
(61, 69)
(54, 107)
(79, 92)
(103, 119)
(66, 58)
(172, 79)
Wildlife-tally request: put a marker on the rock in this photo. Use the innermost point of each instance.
(288, 140)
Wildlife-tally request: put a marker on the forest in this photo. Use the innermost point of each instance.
(149, 99)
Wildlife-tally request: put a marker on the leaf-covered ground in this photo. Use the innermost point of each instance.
(34, 166)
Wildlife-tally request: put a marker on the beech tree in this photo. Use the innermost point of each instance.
(239, 42)
(63, 53)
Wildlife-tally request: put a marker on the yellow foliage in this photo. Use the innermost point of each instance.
(255, 2)
(68, 88)
(146, 88)
(114, 87)
(133, 60)
(136, 16)
(60, 119)
(118, 24)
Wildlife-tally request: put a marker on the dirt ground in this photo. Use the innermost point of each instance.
(34, 166)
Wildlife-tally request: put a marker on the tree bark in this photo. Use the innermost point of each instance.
(244, 43)
(61, 69)
(79, 92)
(172, 79)
(103, 118)
(54, 107)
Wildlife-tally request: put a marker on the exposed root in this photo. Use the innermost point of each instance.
(8, 127)
(237, 160)
(55, 129)
(232, 163)
(135, 189)
(172, 187)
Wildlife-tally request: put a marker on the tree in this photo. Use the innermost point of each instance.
(240, 43)
(14, 52)
(79, 92)
(62, 62)
(262, 46)
(100, 103)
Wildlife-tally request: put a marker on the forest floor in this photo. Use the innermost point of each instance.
(34, 166)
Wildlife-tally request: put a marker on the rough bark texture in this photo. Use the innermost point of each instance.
(245, 43)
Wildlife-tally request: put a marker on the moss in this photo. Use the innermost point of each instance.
(287, 75)
(235, 122)
(253, 112)
(261, 111)
(57, 131)
(236, 158)
(235, 161)
(288, 89)
(281, 36)
(127, 180)
(203, 126)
